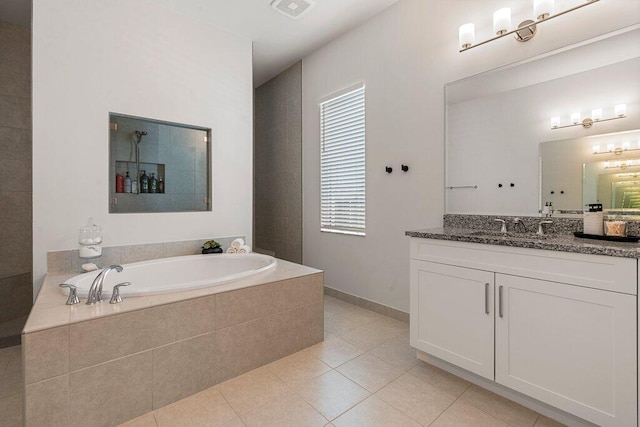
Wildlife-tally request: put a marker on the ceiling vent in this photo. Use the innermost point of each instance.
(293, 8)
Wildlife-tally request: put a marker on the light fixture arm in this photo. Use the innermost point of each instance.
(531, 25)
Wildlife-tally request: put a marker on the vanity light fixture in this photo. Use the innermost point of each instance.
(621, 164)
(612, 149)
(542, 9)
(596, 117)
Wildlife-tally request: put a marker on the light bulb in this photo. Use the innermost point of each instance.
(575, 118)
(596, 114)
(555, 122)
(626, 146)
(596, 149)
(542, 9)
(610, 148)
(621, 110)
(502, 20)
(467, 35)
(606, 165)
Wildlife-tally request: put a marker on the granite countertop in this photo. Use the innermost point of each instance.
(551, 242)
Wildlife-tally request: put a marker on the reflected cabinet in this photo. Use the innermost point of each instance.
(158, 166)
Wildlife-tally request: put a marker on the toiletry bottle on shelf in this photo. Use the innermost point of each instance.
(127, 183)
(119, 183)
(153, 184)
(144, 182)
(160, 185)
(134, 186)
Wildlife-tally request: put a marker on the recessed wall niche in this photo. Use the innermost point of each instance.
(158, 166)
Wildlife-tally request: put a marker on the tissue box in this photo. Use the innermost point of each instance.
(615, 228)
(593, 223)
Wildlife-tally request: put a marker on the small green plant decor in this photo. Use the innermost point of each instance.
(211, 247)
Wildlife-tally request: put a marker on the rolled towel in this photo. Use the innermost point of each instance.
(232, 250)
(236, 244)
(244, 249)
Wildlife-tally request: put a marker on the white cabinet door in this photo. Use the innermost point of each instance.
(569, 346)
(452, 315)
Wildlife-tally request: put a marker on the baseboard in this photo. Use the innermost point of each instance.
(526, 401)
(369, 305)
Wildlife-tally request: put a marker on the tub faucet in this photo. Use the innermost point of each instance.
(503, 229)
(95, 292)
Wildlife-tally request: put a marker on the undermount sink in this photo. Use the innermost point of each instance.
(509, 235)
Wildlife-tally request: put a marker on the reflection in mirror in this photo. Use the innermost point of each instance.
(157, 166)
(613, 178)
(570, 169)
(496, 121)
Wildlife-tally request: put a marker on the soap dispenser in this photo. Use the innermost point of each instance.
(90, 240)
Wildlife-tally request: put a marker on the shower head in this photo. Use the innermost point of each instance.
(139, 135)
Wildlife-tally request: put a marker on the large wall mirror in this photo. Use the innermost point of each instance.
(505, 158)
(157, 166)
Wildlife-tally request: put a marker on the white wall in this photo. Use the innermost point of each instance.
(92, 57)
(405, 56)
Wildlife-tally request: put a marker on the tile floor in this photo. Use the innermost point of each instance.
(363, 374)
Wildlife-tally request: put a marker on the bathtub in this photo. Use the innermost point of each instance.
(176, 274)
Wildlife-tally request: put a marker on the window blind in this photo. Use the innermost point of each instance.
(342, 163)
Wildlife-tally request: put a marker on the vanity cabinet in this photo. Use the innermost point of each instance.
(453, 315)
(553, 335)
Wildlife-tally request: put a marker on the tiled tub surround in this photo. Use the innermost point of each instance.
(106, 364)
(464, 228)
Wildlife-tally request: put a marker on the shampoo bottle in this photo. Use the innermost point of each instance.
(144, 182)
(127, 183)
(119, 183)
(153, 184)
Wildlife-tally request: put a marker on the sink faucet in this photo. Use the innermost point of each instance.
(518, 223)
(95, 292)
(503, 229)
(540, 229)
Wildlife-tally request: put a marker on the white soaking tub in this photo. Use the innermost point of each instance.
(176, 274)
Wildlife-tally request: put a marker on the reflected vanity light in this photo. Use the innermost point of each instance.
(542, 9)
(575, 118)
(612, 149)
(620, 111)
(621, 164)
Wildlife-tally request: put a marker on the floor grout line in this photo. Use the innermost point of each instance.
(450, 405)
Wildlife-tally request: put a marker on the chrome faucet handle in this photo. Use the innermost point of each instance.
(540, 229)
(95, 292)
(73, 295)
(503, 229)
(115, 295)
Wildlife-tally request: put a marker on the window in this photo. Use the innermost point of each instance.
(342, 163)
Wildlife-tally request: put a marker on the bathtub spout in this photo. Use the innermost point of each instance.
(95, 292)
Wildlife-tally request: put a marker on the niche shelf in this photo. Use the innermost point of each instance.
(123, 166)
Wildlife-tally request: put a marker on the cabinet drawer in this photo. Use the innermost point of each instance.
(592, 271)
